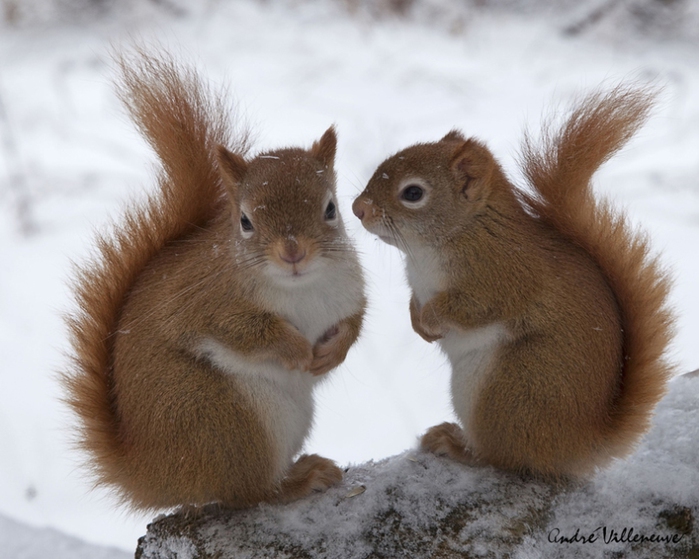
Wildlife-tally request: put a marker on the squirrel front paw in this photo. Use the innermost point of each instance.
(330, 350)
(294, 351)
(426, 321)
(416, 322)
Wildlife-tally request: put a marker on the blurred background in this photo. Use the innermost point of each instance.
(388, 73)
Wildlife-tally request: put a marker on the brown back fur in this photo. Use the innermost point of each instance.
(560, 172)
(206, 321)
(580, 365)
(184, 123)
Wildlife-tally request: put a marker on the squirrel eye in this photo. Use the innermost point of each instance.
(412, 193)
(245, 223)
(330, 211)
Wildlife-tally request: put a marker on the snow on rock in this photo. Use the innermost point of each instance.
(20, 541)
(420, 506)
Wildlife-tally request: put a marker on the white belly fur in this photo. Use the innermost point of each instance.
(284, 399)
(471, 354)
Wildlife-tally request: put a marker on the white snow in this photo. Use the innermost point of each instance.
(295, 69)
(19, 541)
(410, 504)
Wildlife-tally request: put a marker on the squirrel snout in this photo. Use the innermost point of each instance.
(291, 251)
(292, 256)
(359, 208)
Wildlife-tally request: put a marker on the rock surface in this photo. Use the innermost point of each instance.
(420, 506)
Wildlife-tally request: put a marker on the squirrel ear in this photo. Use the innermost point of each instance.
(454, 135)
(324, 149)
(232, 166)
(472, 165)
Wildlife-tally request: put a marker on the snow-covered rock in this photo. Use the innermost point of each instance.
(420, 506)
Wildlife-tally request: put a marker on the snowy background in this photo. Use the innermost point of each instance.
(388, 74)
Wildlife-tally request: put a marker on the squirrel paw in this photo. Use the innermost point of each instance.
(310, 473)
(329, 351)
(448, 440)
(429, 325)
(416, 321)
(425, 335)
(296, 354)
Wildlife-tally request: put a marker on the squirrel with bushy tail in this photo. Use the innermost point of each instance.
(212, 310)
(547, 303)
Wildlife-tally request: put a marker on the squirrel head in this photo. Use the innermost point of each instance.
(429, 192)
(284, 209)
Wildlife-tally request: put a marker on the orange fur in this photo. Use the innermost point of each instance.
(194, 363)
(183, 122)
(548, 305)
(560, 173)
(308, 474)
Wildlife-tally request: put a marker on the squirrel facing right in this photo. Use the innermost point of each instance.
(551, 312)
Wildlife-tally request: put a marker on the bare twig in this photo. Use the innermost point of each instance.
(173, 8)
(592, 18)
(10, 11)
(16, 177)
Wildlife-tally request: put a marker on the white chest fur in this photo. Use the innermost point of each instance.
(471, 353)
(424, 270)
(282, 399)
(316, 306)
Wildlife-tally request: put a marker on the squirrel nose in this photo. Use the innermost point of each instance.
(358, 208)
(292, 256)
(291, 250)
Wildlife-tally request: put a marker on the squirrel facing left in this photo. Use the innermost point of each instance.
(212, 310)
(552, 313)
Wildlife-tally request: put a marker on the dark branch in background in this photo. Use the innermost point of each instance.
(10, 11)
(173, 8)
(592, 18)
(17, 180)
(664, 19)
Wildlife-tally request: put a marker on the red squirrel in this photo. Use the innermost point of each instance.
(546, 302)
(212, 310)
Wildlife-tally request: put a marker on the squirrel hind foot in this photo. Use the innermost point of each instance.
(309, 474)
(448, 440)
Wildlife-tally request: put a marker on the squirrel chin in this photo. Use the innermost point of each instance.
(292, 276)
(385, 234)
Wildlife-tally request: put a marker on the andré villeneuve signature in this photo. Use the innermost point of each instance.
(606, 535)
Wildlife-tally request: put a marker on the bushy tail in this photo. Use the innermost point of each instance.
(559, 172)
(184, 122)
